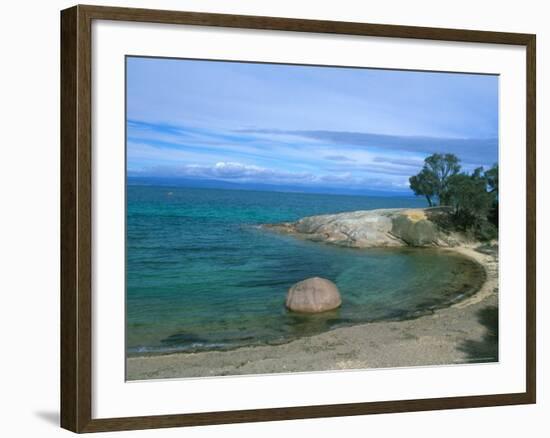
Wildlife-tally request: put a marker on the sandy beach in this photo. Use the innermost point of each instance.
(465, 332)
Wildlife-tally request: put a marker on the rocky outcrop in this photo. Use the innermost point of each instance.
(313, 295)
(419, 227)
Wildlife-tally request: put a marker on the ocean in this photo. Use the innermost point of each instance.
(202, 275)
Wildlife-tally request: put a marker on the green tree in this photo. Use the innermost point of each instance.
(492, 179)
(424, 184)
(433, 180)
(492, 184)
(472, 202)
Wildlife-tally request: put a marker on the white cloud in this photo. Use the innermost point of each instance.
(232, 171)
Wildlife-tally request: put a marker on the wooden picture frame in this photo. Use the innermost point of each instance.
(76, 217)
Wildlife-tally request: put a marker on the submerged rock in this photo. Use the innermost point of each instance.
(313, 295)
(395, 227)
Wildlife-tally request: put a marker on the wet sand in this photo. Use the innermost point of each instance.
(465, 332)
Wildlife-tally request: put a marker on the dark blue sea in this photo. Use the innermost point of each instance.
(202, 274)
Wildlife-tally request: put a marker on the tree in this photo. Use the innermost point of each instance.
(424, 184)
(432, 181)
(469, 199)
(492, 179)
(492, 183)
(472, 202)
(472, 198)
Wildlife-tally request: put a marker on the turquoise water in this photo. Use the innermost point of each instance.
(202, 275)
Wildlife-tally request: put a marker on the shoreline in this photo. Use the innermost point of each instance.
(463, 332)
(489, 262)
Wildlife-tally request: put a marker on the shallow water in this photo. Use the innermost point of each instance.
(202, 275)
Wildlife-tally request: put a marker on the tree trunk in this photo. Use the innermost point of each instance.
(429, 201)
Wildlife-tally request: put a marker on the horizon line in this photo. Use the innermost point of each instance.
(258, 187)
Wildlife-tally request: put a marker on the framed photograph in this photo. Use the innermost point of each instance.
(270, 218)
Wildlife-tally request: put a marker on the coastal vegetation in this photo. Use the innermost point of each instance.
(472, 198)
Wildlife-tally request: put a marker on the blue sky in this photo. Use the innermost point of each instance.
(316, 127)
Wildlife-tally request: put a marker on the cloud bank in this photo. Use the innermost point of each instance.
(471, 150)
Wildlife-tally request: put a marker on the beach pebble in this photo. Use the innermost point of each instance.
(313, 295)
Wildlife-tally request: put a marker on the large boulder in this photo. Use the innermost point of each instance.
(355, 229)
(415, 229)
(390, 227)
(313, 295)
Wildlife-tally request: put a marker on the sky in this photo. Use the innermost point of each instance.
(350, 129)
